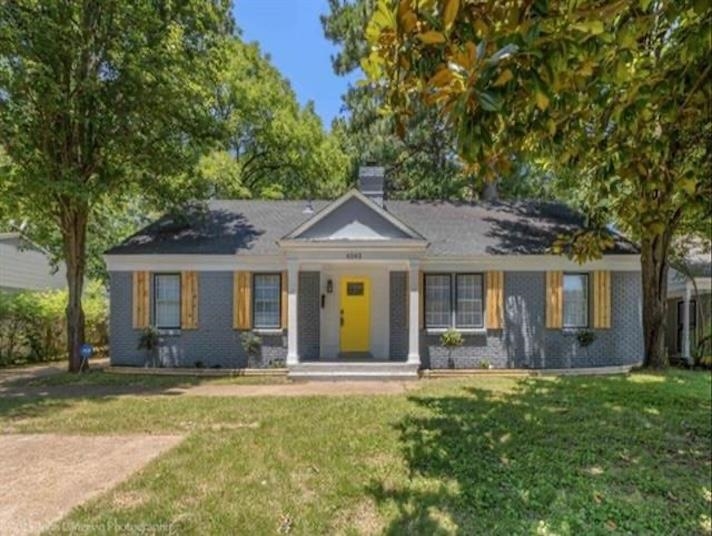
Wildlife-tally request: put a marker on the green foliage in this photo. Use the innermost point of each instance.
(420, 163)
(623, 454)
(101, 101)
(33, 327)
(418, 155)
(149, 341)
(585, 337)
(251, 343)
(272, 147)
(613, 97)
(451, 339)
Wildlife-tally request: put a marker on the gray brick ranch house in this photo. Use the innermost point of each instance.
(371, 284)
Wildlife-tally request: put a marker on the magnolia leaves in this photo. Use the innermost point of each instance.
(504, 77)
(585, 245)
(450, 10)
(542, 101)
(431, 38)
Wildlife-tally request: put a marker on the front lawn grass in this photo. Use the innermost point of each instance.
(99, 377)
(487, 455)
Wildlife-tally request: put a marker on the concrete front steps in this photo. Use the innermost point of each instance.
(362, 370)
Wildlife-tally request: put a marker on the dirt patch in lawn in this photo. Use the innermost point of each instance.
(45, 475)
(362, 518)
(308, 388)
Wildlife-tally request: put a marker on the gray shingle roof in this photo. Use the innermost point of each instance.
(248, 227)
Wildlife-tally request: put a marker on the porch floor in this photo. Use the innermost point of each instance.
(354, 357)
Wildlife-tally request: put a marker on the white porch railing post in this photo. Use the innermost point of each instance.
(413, 313)
(686, 325)
(292, 287)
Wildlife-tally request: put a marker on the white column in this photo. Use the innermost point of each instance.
(292, 286)
(686, 325)
(413, 313)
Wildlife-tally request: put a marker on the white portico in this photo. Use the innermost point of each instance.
(365, 265)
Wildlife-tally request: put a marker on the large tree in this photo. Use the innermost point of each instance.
(274, 147)
(420, 162)
(99, 100)
(612, 94)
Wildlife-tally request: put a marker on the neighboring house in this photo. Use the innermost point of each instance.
(689, 307)
(359, 280)
(24, 266)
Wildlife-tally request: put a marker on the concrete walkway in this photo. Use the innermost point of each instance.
(44, 476)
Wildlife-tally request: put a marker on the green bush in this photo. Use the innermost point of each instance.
(449, 340)
(32, 324)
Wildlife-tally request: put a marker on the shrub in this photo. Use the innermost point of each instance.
(252, 344)
(585, 337)
(149, 341)
(32, 324)
(449, 340)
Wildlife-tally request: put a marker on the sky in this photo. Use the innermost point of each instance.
(290, 32)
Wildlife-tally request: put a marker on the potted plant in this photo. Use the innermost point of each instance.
(149, 341)
(449, 340)
(585, 337)
(252, 345)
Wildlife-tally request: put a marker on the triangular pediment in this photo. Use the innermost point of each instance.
(353, 217)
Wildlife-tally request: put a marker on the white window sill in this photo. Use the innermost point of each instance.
(463, 331)
(473, 331)
(268, 331)
(574, 331)
(169, 332)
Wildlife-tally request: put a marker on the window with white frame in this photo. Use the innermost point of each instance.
(438, 312)
(575, 300)
(460, 305)
(468, 299)
(267, 293)
(166, 301)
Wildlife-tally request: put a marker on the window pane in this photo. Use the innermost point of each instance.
(469, 300)
(575, 300)
(167, 306)
(267, 300)
(437, 300)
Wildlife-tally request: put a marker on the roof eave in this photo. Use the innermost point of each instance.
(301, 244)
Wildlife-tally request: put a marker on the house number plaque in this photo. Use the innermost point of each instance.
(353, 255)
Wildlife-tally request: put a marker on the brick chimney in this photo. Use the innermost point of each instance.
(370, 182)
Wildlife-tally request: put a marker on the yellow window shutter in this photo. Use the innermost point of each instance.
(421, 306)
(283, 311)
(602, 299)
(554, 300)
(495, 300)
(141, 301)
(189, 300)
(242, 300)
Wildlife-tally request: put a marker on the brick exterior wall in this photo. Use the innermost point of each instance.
(309, 315)
(398, 336)
(526, 343)
(523, 343)
(214, 344)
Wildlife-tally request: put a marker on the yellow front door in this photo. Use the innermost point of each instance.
(355, 314)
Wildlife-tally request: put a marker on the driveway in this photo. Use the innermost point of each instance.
(44, 476)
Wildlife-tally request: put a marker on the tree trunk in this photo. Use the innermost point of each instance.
(655, 271)
(74, 232)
